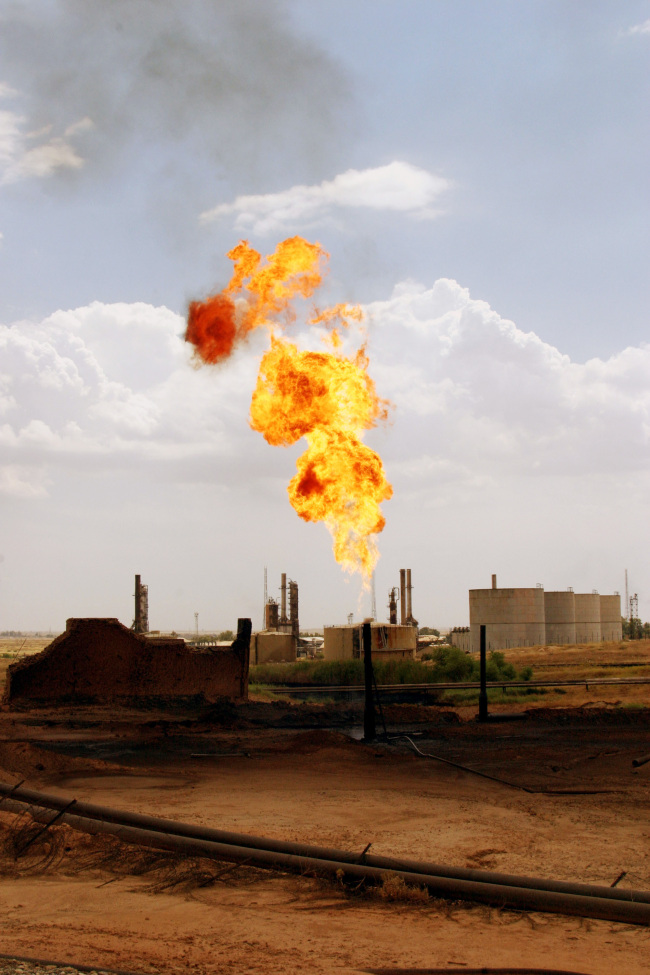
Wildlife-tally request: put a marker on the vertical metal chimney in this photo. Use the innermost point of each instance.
(137, 619)
(392, 606)
(494, 581)
(293, 608)
(409, 607)
(283, 598)
(141, 617)
(402, 596)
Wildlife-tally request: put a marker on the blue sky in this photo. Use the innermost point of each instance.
(478, 174)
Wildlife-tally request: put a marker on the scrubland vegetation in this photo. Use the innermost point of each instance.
(442, 664)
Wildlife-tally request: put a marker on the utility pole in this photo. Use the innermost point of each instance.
(482, 694)
(369, 732)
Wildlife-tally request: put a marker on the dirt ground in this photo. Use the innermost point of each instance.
(276, 770)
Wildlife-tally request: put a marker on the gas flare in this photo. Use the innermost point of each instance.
(326, 397)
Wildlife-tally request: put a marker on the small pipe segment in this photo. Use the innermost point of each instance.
(501, 890)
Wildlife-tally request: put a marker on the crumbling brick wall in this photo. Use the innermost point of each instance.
(101, 660)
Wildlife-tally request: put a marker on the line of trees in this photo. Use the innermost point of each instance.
(634, 629)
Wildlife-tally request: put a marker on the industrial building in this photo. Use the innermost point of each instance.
(273, 647)
(389, 641)
(533, 617)
(405, 600)
(392, 641)
(278, 641)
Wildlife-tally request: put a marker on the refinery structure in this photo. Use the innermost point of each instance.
(389, 641)
(522, 617)
(279, 640)
(533, 617)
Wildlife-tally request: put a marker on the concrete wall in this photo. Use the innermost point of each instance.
(560, 612)
(588, 617)
(513, 617)
(389, 641)
(100, 660)
(611, 625)
(269, 646)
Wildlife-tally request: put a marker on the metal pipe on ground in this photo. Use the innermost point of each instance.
(152, 824)
(496, 895)
(638, 762)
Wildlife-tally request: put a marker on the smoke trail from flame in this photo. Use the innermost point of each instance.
(326, 397)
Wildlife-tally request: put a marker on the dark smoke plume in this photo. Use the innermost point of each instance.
(227, 81)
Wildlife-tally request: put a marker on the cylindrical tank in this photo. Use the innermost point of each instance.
(588, 617)
(387, 642)
(611, 625)
(514, 617)
(560, 613)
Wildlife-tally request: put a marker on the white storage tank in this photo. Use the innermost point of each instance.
(389, 641)
(560, 613)
(588, 617)
(271, 647)
(611, 624)
(513, 617)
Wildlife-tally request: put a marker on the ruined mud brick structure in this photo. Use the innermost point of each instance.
(100, 660)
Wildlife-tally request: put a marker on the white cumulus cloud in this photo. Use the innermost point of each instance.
(475, 390)
(397, 187)
(477, 400)
(113, 382)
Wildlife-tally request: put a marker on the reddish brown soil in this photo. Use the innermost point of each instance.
(253, 769)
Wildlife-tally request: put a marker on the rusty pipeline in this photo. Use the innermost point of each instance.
(500, 890)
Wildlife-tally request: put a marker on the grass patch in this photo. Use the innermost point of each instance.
(260, 690)
(393, 889)
(518, 695)
(442, 665)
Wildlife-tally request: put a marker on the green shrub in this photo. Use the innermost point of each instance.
(452, 664)
(497, 668)
(449, 664)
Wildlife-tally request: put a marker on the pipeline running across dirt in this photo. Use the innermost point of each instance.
(454, 883)
(494, 778)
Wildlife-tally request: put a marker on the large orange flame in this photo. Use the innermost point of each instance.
(326, 397)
